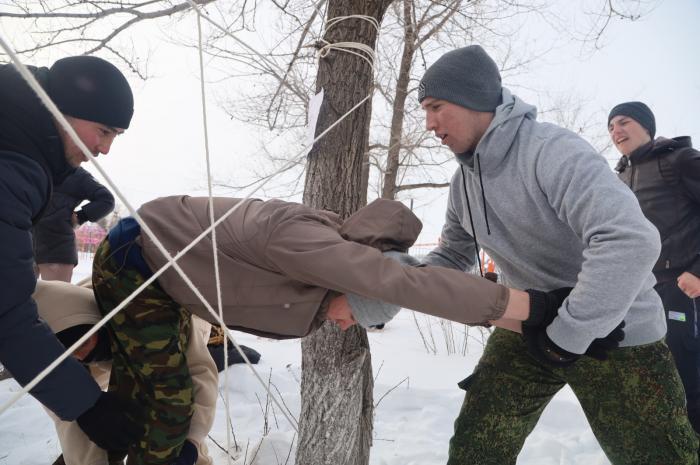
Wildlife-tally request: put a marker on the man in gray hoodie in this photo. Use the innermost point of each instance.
(550, 212)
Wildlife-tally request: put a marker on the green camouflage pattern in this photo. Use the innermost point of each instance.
(149, 339)
(634, 402)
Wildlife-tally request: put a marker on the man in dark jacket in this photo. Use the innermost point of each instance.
(55, 252)
(35, 153)
(664, 174)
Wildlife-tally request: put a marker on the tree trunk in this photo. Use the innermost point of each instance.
(397, 112)
(335, 426)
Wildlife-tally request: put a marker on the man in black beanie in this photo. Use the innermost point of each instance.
(664, 175)
(35, 154)
(551, 214)
(641, 130)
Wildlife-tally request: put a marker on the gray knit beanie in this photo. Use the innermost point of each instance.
(467, 77)
(370, 312)
(639, 112)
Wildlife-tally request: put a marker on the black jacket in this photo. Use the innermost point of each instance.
(31, 158)
(54, 235)
(665, 176)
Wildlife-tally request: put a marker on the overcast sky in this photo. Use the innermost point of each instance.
(654, 59)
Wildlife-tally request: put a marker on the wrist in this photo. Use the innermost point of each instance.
(518, 307)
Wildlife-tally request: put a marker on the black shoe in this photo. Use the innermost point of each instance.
(217, 353)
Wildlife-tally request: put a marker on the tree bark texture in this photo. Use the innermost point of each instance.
(335, 425)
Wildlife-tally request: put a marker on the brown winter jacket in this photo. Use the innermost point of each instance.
(278, 260)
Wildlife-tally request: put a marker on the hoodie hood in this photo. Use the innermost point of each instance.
(383, 224)
(63, 305)
(499, 136)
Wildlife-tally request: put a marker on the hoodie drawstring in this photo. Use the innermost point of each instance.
(469, 209)
(483, 195)
(471, 221)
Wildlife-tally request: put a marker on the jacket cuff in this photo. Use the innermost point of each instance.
(82, 217)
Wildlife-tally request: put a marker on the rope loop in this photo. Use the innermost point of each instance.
(358, 49)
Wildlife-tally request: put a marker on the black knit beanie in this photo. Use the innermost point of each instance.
(638, 112)
(467, 77)
(92, 89)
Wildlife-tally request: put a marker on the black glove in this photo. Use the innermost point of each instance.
(107, 425)
(544, 305)
(600, 347)
(188, 454)
(544, 350)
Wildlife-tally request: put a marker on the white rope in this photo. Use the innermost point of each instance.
(29, 78)
(214, 245)
(367, 54)
(46, 100)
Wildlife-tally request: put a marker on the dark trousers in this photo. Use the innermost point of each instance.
(683, 338)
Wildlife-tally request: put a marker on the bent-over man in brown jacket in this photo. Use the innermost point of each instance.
(285, 268)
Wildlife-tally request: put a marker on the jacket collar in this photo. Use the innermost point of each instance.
(658, 146)
(27, 126)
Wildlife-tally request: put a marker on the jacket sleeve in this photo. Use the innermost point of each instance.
(306, 250)
(456, 248)
(101, 200)
(27, 345)
(620, 246)
(689, 168)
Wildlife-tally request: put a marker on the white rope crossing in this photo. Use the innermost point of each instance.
(349, 47)
(217, 276)
(46, 100)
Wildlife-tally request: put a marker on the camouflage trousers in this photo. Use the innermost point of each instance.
(149, 338)
(634, 403)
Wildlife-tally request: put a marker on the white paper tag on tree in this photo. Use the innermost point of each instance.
(314, 110)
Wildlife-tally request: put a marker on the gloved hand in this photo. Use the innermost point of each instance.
(544, 305)
(544, 350)
(600, 347)
(188, 454)
(107, 425)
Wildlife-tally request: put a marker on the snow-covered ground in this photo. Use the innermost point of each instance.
(415, 390)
